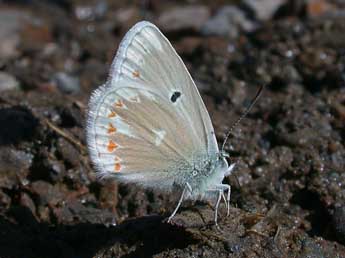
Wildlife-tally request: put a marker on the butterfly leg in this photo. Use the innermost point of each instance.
(224, 187)
(180, 201)
(220, 193)
(225, 201)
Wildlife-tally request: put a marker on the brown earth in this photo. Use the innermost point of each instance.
(288, 197)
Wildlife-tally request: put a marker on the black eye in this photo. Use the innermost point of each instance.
(175, 96)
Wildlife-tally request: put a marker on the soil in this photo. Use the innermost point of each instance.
(288, 187)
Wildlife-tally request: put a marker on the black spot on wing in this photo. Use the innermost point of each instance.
(175, 96)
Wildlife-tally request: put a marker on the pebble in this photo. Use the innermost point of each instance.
(263, 10)
(47, 194)
(66, 83)
(183, 18)
(46, 167)
(74, 210)
(14, 166)
(91, 12)
(8, 82)
(316, 8)
(67, 152)
(339, 223)
(20, 29)
(5, 200)
(26, 201)
(9, 32)
(228, 21)
(20, 124)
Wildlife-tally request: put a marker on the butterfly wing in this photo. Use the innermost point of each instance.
(149, 117)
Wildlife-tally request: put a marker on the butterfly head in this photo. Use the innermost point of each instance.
(218, 169)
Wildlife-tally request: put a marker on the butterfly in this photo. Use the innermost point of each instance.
(147, 125)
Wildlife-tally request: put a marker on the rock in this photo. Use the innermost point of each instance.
(20, 124)
(127, 16)
(228, 21)
(187, 45)
(47, 167)
(46, 193)
(35, 36)
(91, 12)
(9, 32)
(317, 8)
(339, 223)
(108, 194)
(68, 152)
(8, 82)
(184, 18)
(5, 200)
(66, 83)
(26, 201)
(21, 29)
(263, 9)
(14, 166)
(74, 210)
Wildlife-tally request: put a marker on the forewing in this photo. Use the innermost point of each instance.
(149, 115)
(146, 56)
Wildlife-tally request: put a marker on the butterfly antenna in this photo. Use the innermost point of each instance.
(254, 100)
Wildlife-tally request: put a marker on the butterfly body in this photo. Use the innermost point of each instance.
(147, 125)
(204, 173)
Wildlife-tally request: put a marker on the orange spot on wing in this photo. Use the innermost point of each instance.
(111, 146)
(112, 114)
(111, 128)
(117, 167)
(136, 74)
(119, 104)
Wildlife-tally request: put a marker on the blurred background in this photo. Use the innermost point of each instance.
(289, 183)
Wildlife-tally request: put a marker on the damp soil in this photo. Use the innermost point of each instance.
(288, 187)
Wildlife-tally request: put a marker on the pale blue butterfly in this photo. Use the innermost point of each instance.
(148, 124)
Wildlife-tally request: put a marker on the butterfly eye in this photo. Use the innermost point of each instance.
(195, 173)
(175, 96)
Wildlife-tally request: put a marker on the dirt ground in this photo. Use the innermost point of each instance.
(288, 188)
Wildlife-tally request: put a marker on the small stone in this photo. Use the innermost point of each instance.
(339, 223)
(35, 36)
(46, 193)
(20, 123)
(184, 18)
(188, 45)
(263, 9)
(14, 166)
(74, 210)
(92, 11)
(43, 213)
(8, 82)
(47, 167)
(21, 30)
(127, 16)
(26, 201)
(57, 170)
(228, 21)
(317, 8)
(66, 83)
(9, 32)
(68, 152)
(5, 200)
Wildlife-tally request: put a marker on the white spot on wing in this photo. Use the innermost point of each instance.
(160, 134)
(123, 128)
